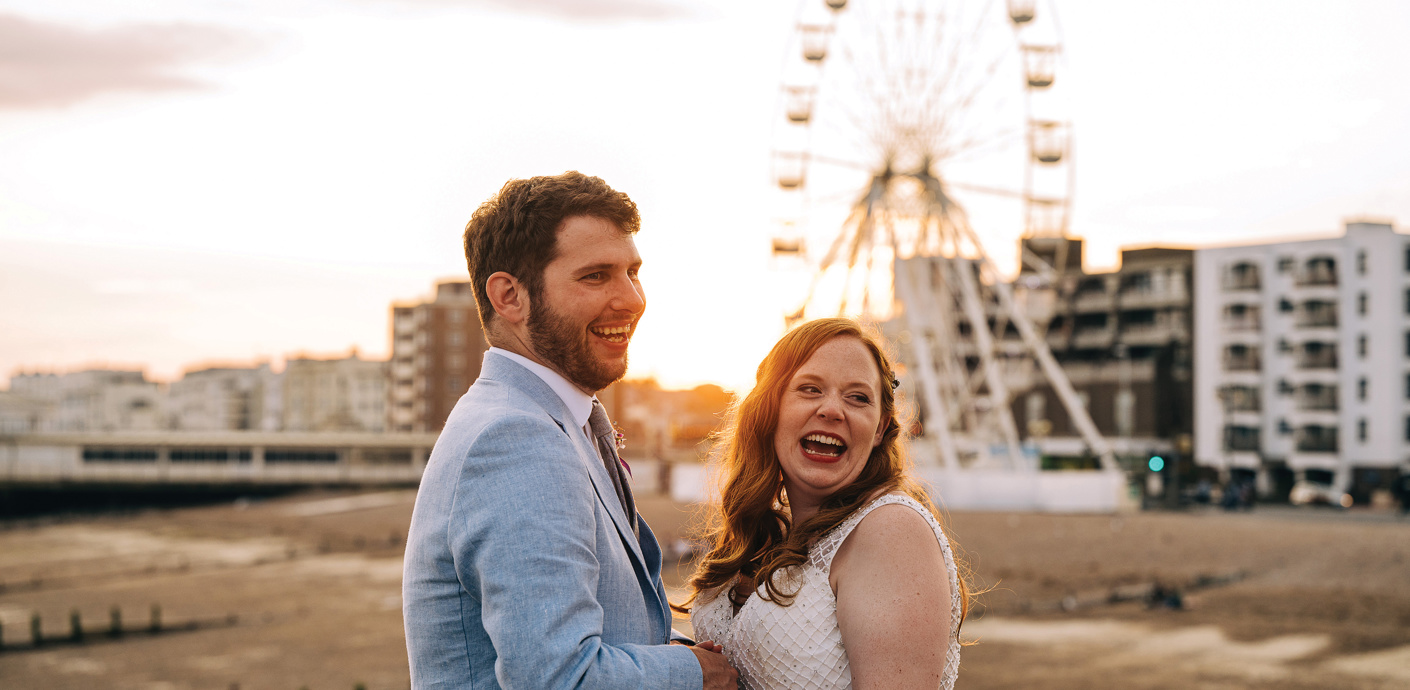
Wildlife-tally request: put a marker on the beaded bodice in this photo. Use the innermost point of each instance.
(799, 647)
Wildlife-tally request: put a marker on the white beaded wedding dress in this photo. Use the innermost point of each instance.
(799, 647)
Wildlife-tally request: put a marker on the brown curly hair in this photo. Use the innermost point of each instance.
(751, 532)
(516, 230)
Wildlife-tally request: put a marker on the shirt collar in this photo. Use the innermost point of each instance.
(579, 404)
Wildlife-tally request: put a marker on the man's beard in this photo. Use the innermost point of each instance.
(564, 345)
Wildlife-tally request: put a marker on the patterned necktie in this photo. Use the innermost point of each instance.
(606, 438)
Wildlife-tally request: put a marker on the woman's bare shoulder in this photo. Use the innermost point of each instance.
(890, 536)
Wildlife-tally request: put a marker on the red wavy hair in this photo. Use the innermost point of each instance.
(751, 531)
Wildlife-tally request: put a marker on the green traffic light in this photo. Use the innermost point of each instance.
(1156, 464)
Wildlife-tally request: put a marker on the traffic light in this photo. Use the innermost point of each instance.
(1156, 463)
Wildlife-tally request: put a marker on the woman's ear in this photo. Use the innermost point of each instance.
(881, 432)
(508, 297)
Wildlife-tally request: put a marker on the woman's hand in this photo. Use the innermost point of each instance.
(893, 601)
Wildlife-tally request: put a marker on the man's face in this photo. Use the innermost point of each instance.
(591, 300)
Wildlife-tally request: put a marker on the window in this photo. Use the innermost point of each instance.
(1407, 386)
(1361, 304)
(1361, 430)
(1407, 301)
(300, 455)
(1361, 389)
(458, 315)
(1285, 263)
(1361, 262)
(455, 339)
(1361, 346)
(1407, 258)
(1286, 306)
(1407, 428)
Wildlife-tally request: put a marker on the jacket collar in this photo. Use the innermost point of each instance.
(579, 404)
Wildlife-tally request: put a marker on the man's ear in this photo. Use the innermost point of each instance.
(508, 297)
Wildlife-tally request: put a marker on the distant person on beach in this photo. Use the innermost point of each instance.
(526, 564)
(828, 567)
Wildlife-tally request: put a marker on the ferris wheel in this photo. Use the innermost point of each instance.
(915, 137)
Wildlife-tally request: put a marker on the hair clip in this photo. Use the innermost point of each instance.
(895, 383)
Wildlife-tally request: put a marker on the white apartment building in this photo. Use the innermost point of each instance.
(1302, 360)
(92, 400)
(227, 399)
(347, 394)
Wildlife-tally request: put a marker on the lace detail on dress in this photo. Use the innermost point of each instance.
(799, 647)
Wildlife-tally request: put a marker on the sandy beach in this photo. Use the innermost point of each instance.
(304, 591)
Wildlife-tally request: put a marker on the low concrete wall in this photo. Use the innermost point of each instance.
(1044, 492)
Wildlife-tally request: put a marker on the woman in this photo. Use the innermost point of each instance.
(828, 567)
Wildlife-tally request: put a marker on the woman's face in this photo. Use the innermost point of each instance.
(829, 420)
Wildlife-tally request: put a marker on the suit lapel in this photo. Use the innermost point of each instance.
(503, 369)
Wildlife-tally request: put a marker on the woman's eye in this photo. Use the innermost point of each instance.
(861, 399)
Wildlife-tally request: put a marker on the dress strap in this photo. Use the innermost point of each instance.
(820, 556)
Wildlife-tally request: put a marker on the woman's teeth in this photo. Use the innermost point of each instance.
(818, 444)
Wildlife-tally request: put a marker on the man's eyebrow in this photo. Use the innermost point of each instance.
(605, 266)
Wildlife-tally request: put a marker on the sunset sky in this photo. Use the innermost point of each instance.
(187, 181)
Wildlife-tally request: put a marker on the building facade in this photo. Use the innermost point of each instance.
(91, 400)
(348, 394)
(437, 347)
(1123, 339)
(227, 399)
(1302, 367)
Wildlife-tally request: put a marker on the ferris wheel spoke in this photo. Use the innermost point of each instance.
(993, 191)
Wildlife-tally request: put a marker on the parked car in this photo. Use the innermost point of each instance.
(1309, 493)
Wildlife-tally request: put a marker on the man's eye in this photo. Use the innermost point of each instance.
(593, 276)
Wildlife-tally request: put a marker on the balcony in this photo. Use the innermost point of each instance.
(1316, 439)
(1093, 337)
(1317, 398)
(1151, 334)
(1240, 399)
(1242, 317)
(1315, 355)
(1319, 270)
(1316, 314)
(1241, 438)
(1242, 276)
(1093, 301)
(1241, 358)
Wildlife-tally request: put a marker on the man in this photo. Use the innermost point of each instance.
(526, 565)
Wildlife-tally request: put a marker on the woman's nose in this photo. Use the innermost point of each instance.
(830, 408)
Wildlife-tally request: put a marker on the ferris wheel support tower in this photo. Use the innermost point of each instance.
(947, 107)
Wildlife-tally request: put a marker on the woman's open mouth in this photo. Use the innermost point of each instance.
(822, 447)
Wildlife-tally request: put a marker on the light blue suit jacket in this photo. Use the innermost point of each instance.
(521, 570)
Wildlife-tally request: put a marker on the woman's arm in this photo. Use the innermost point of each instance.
(893, 601)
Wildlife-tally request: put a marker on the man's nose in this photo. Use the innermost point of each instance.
(629, 297)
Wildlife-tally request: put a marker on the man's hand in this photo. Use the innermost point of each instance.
(718, 674)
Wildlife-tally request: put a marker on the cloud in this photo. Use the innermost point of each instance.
(51, 65)
(580, 10)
